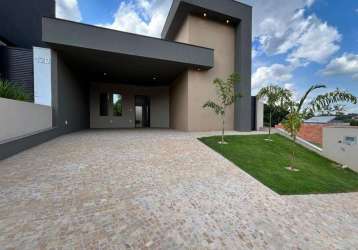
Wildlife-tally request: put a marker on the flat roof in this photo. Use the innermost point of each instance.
(219, 10)
(320, 119)
(122, 56)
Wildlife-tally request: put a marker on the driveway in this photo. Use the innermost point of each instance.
(156, 189)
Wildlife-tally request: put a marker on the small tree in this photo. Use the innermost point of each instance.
(292, 125)
(275, 96)
(297, 112)
(226, 95)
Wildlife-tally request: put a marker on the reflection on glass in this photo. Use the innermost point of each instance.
(139, 116)
(117, 104)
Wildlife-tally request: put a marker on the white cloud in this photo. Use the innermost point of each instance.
(317, 43)
(356, 10)
(347, 64)
(281, 27)
(146, 17)
(68, 9)
(274, 74)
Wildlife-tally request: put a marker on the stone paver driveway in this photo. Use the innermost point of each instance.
(156, 189)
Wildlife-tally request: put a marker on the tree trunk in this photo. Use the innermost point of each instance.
(223, 130)
(270, 124)
(293, 151)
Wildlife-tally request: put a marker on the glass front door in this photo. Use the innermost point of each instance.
(142, 112)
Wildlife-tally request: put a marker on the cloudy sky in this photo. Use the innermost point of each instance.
(296, 43)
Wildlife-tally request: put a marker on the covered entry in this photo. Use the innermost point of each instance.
(120, 74)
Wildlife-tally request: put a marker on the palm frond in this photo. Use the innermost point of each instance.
(219, 110)
(324, 102)
(303, 99)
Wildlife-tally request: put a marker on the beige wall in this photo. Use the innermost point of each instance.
(22, 118)
(159, 106)
(334, 147)
(179, 103)
(220, 37)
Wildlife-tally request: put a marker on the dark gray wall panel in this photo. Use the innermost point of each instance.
(21, 21)
(77, 35)
(243, 59)
(73, 99)
(18, 67)
(10, 148)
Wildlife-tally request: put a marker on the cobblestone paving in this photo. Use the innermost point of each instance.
(156, 189)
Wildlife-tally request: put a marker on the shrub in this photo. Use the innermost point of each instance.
(11, 91)
(354, 123)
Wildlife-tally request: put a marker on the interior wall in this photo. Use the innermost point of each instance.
(220, 37)
(159, 106)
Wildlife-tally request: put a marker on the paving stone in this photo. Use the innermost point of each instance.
(156, 189)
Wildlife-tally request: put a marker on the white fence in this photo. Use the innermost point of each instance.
(19, 119)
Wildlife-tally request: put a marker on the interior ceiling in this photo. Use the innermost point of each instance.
(100, 66)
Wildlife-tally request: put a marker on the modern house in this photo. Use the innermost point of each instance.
(94, 77)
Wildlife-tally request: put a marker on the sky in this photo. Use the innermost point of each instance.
(296, 43)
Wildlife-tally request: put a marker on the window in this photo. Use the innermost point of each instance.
(103, 104)
(117, 104)
(350, 140)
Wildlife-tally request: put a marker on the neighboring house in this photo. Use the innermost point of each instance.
(312, 129)
(100, 78)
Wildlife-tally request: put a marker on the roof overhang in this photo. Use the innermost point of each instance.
(220, 10)
(110, 55)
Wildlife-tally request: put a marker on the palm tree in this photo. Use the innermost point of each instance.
(297, 111)
(275, 96)
(331, 102)
(226, 95)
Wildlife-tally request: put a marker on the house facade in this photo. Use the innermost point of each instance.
(94, 77)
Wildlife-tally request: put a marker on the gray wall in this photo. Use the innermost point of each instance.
(70, 102)
(22, 118)
(21, 21)
(72, 99)
(159, 106)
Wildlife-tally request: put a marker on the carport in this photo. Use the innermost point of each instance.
(88, 61)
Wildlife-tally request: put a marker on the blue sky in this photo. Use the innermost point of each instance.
(296, 43)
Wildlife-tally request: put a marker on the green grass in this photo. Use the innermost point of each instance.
(267, 162)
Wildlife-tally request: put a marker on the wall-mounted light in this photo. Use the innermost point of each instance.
(205, 14)
(104, 73)
(154, 78)
(198, 69)
(227, 21)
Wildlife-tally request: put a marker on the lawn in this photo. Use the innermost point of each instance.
(266, 161)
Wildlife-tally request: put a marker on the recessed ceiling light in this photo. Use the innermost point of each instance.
(205, 14)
